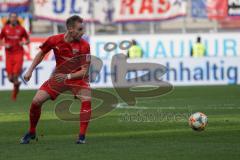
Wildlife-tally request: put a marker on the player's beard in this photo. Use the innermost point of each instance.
(79, 37)
(14, 23)
(69, 37)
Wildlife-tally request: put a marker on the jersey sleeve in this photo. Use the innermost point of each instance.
(84, 57)
(47, 45)
(87, 53)
(25, 34)
(2, 34)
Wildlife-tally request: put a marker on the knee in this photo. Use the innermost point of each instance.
(84, 98)
(84, 95)
(37, 101)
(10, 78)
(15, 78)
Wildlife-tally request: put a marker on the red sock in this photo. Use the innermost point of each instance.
(35, 112)
(85, 116)
(15, 91)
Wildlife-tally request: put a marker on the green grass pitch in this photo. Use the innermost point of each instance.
(155, 128)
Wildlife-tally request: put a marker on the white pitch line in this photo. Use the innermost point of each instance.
(125, 106)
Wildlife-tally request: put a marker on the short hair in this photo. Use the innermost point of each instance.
(199, 39)
(71, 20)
(134, 42)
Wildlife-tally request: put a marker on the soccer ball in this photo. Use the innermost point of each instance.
(198, 121)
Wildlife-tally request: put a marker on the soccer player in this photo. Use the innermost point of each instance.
(72, 55)
(12, 38)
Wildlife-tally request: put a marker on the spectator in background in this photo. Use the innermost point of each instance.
(13, 36)
(198, 49)
(135, 51)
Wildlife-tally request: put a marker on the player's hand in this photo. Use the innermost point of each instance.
(21, 43)
(85, 66)
(27, 76)
(7, 46)
(60, 77)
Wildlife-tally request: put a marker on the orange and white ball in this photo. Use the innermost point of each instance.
(198, 121)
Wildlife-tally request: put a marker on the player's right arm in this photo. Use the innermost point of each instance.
(38, 59)
(44, 48)
(2, 36)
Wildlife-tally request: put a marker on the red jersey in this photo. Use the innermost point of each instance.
(70, 56)
(13, 35)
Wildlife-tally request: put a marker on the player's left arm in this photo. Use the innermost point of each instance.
(84, 68)
(60, 77)
(78, 74)
(26, 37)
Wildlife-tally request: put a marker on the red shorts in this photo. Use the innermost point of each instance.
(14, 63)
(54, 89)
